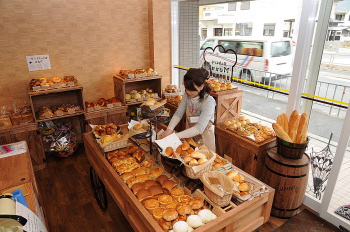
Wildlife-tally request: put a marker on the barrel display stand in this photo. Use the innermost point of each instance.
(289, 179)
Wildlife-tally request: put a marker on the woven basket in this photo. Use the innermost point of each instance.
(113, 145)
(206, 167)
(227, 184)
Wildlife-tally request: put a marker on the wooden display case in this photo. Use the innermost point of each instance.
(246, 216)
(123, 86)
(53, 97)
(246, 154)
(29, 133)
(228, 104)
(16, 173)
(116, 115)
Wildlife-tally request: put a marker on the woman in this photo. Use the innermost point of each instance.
(199, 107)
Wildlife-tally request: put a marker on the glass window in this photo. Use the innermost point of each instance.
(281, 48)
(217, 31)
(228, 32)
(245, 5)
(207, 14)
(269, 29)
(339, 17)
(208, 43)
(232, 6)
(204, 33)
(244, 29)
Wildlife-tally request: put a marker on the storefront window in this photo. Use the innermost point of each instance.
(244, 29)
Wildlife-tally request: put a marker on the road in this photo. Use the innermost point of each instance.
(322, 123)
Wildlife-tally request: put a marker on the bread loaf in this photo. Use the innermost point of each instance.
(282, 120)
(302, 129)
(281, 133)
(293, 126)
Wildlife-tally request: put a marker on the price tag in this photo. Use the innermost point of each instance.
(45, 87)
(71, 83)
(36, 88)
(71, 111)
(97, 107)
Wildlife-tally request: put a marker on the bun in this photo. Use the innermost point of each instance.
(162, 178)
(165, 225)
(147, 163)
(136, 187)
(202, 161)
(185, 146)
(179, 149)
(138, 126)
(165, 199)
(155, 172)
(158, 213)
(184, 153)
(156, 190)
(172, 205)
(139, 155)
(187, 159)
(238, 178)
(184, 209)
(169, 151)
(151, 204)
(169, 185)
(193, 162)
(184, 198)
(196, 203)
(170, 214)
(232, 174)
(143, 194)
(244, 187)
(149, 183)
(176, 193)
(197, 155)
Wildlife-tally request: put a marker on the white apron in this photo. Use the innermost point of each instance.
(208, 136)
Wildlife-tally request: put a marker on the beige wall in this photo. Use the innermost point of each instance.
(91, 40)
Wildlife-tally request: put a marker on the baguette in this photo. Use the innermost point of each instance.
(282, 120)
(302, 129)
(293, 126)
(281, 133)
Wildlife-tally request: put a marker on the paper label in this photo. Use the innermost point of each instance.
(110, 106)
(71, 83)
(36, 88)
(71, 111)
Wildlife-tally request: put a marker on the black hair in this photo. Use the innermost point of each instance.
(198, 77)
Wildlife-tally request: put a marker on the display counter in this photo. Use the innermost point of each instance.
(246, 216)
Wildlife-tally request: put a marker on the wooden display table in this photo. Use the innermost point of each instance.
(29, 133)
(228, 104)
(16, 173)
(116, 115)
(245, 217)
(246, 154)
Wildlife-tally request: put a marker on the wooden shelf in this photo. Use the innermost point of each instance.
(138, 79)
(80, 112)
(54, 90)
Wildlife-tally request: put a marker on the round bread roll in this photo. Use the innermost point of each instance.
(138, 126)
(151, 204)
(202, 161)
(218, 159)
(156, 190)
(161, 179)
(232, 174)
(169, 151)
(184, 209)
(190, 150)
(165, 199)
(184, 198)
(179, 149)
(196, 203)
(155, 172)
(194, 221)
(244, 187)
(143, 194)
(172, 205)
(238, 178)
(158, 213)
(169, 185)
(197, 155)
(187, 159)
(216, 165)
(181, 226)
(170, 214)
(165, 225)
(193, 162)
(136, 187)
(176, 193)
(184, 153)
(149, 183)
(185, 146)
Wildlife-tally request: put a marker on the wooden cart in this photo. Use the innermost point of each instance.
(246, 154)
(245, 217)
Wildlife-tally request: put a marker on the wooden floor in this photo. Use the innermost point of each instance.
(69, 204)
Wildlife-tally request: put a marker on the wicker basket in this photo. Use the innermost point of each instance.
(227, 184)
(195, 172)
(113, 145)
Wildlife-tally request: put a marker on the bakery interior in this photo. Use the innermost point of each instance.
(89, 43)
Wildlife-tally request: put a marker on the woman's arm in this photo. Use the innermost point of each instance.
(178, 113)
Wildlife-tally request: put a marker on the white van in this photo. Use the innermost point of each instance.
(259, 60)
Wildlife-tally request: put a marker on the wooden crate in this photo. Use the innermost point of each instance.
(29, 133)
(53, 97)
(123, 86)
(247, 216)
(228, 104)
(246, 154)
(116, 115)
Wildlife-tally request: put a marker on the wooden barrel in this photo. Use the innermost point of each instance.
(289, 179)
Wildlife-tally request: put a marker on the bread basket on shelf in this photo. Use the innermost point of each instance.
(195, 172)
(218, 187)
(113, 145)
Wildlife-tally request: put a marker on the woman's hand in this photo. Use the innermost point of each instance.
(166, 133)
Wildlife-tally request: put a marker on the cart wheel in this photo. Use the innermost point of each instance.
(99, 189)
